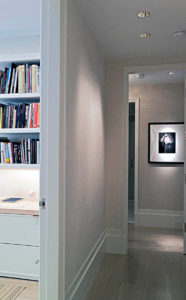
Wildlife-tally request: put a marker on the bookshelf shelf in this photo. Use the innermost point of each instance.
(16, 96)
(19, 130)
(19, 166)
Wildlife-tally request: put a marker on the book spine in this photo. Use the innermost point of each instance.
(14, 118)
(38, 116)
(2, 153)
(29, 151)
(9, 116)
(38, 152)
(30, 68)
(38, 79)
(34, 78)
(12, 81)
(35, 115)
(1, 117)
(26, 116)
(10, 153)
(4, 81)
(7, 157)
(21, 79)
(7, 89)
(17, 116)
(26, 151)
(4, 116)
(26, 79)
(6, 120)
(16, 80)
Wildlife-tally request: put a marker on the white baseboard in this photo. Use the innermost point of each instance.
(159, 218)
(116, 242)
(81, 284)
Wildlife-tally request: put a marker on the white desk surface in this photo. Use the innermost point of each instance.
(21, 207)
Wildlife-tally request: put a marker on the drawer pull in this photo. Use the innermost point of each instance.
(37, 262)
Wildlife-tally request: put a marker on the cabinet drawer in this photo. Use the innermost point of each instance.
(19, 229)
(19, 261)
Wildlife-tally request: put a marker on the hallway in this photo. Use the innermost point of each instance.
(154, 269)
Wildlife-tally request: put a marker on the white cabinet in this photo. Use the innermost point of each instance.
(19, 246)
(19, 261)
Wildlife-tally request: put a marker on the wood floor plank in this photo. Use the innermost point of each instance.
(154, 269)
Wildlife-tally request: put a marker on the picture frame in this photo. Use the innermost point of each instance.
(166, 143)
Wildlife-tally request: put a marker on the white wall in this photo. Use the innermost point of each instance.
(160, 187)
(17, 45)
(155, 212)
(85, 143)
(114, 146)
(19, 183)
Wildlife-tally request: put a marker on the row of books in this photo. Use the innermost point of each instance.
(27, 151)
(20, 115)
(20, 79)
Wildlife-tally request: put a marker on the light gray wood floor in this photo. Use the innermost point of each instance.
(30, 293)
(154, 269)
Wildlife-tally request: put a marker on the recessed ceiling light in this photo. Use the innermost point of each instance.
(143, 14)
(145, 35)
(179, 34)
(171, 73)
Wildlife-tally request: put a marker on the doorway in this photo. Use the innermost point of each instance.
(133, 158)
(153, 216)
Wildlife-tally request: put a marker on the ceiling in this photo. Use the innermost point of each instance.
(162, 77)
(116, 27)
(19, 18)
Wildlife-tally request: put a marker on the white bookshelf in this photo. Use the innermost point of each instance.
(19, 131)
(19, 166)
(14, 98)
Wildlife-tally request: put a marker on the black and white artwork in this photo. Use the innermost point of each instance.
(166, 142)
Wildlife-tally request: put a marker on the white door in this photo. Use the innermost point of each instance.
(185, 173)
(52, 174)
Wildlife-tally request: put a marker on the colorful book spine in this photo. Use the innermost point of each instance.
(7, 157)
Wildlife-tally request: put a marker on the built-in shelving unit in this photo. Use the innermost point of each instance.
(19, 242)
(17, 134)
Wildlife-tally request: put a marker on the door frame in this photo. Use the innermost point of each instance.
(136, 154)
(127, 70)
(53, 148)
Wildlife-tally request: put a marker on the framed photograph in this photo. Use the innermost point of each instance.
(166, 143)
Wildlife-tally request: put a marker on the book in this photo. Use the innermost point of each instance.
(21, 79)
(7, 157)
(38, 116)
(12, 81)
(38, 79)
(35, 115)
(16, 80)
(34, 78)
(7, 84)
